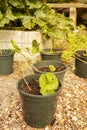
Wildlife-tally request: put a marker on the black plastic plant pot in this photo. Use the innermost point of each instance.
(38, 110)
(6, 62)
(46, 54)
(60, 74)
(80, 64)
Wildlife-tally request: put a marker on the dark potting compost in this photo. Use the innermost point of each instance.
(34, 87)
(46, 68)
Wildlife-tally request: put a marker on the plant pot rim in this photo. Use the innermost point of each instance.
(36, 96)
(50, 64)
(47, 50)
(6, 55)
(79, 55)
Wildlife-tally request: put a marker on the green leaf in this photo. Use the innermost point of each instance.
(4, 21)
(17, 3)
(34, 4)
(48, 83)
(40, 14)
(3, 5)
(9, 15)
(28, 22)
(7, 18)
(52, 68)
(28, 49)
(17, 49)
(35, 47)
(1, 15)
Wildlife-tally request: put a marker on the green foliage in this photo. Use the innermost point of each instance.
(34, 15)
(1, 15)
(3, 5)
(17, 49)
(28, 51)
(60, 1)
(15, 46)
(19, 10)
(48, 83)
(52, 68)
(35, 47)
(19, 4)
(75, 41)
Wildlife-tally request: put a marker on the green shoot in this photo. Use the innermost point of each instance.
(48, 82)
(35, 47)
(52, 68)
(14, 44)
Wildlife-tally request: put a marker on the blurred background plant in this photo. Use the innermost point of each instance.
(34, 15)
(76, 40)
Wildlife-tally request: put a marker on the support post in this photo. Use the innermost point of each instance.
(73, 14)
(44, 1)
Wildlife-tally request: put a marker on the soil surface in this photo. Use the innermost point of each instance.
(46, 68)
(32, 87)
(71, 113)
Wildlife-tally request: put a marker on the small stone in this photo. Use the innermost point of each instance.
(68, 94)
(74, 118)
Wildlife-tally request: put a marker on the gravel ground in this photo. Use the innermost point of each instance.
(71, 111)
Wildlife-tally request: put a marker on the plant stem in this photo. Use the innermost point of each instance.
(25, 81)
(24, 78)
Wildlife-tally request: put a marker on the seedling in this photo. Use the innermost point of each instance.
(48, 82)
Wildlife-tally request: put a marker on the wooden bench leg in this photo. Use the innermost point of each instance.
(44, 1)
(73, 14)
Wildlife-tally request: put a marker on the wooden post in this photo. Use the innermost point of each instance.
(73, 14)
(44, 1)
